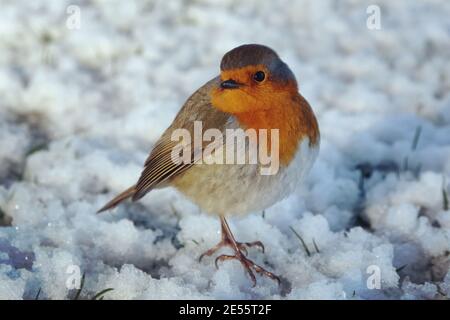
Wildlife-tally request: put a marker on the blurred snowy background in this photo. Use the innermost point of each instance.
(81, 107)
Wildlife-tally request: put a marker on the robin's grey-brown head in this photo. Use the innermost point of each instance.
(256, 54)
(253, 78)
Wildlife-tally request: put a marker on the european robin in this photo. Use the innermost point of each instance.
(255, 90)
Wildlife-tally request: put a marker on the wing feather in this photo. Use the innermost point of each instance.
(159, 166)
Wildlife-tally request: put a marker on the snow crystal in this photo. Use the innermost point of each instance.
(81, 107)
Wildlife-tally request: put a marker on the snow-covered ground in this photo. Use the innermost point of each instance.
(80, 109)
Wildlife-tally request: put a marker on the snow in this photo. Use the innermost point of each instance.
(80, 109)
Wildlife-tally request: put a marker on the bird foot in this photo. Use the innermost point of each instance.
(240, 250)
(248, 265)
(242, 246)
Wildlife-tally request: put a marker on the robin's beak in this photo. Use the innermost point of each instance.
(229, 84)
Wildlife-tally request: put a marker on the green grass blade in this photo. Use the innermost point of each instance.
(99, 295)
(77, 295)
(302, 242)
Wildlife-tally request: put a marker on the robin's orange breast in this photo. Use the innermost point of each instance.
(237, 189)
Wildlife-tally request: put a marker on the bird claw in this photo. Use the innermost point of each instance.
(211, 251)
(243, 249)
(221, 258)
(225, 243)
(255, 244)
(268, 274)
(240, 254)
(248, 265)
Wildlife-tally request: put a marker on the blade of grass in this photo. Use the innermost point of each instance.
(36, 148)
(440, 291)
(315, 246)
(415, 141)
(302, 242)
(401, 268)
(445, 203)
(77, 295)
(37, 295)
(99, 295)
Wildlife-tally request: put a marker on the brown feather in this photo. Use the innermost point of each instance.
(160, 169)
(159, 166)
(118, 199)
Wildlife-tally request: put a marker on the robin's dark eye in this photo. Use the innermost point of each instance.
(259, 76)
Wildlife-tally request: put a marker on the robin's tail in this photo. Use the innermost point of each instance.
(118, 199)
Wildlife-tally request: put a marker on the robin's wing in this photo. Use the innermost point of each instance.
(160, 168)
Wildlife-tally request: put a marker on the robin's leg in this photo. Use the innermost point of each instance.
(240, 252)
(228, 241)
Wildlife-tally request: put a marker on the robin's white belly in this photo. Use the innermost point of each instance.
(237, 189)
